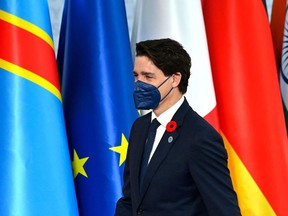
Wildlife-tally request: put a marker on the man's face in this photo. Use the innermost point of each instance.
(146, 71)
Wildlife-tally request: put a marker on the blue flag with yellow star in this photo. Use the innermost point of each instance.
(97, 86)
(35, 164)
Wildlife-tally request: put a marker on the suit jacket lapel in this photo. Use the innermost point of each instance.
(139, 144)
(158, 157)
(164, 146)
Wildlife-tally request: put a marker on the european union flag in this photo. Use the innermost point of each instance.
(35, 165)
(97, 86)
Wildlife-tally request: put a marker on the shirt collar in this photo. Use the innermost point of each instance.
(166, 116)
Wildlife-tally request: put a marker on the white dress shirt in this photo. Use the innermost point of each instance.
(164, 119)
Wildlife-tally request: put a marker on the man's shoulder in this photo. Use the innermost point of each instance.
(144, 117)
(142, 120)
(199, 123)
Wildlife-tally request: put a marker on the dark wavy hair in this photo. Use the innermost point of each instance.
(169, 56)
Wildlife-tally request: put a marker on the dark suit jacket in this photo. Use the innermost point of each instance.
(187, 177)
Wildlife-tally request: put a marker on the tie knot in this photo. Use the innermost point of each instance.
(154, 125)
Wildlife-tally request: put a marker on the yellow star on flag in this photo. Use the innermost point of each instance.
(78, 165)
(122, 149)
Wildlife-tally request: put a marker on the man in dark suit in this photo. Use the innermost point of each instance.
(184, 171)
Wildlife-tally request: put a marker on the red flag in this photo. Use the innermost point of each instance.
(249, 104)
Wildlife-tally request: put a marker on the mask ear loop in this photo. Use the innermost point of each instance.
(168, 92)
(163, 82)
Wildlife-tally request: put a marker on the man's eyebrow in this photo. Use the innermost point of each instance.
(144, 73)
(147, 73)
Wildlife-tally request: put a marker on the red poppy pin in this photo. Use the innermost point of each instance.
(171, 126)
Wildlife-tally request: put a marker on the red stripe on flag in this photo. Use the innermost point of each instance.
(212, 118)
(28, 51)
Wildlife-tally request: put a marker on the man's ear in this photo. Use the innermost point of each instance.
(176, 77)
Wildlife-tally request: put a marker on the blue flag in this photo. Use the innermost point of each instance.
(97, 85)
(35, 164)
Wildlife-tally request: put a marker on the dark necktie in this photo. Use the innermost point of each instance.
(148, 147)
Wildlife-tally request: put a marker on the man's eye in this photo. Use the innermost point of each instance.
(149, 77)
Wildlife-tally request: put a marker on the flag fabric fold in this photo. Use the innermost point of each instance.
(97, 86)
(278, 12)
(283, 76)
(249, 104)
(37, 171)
(279, 29)
(182, 21)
